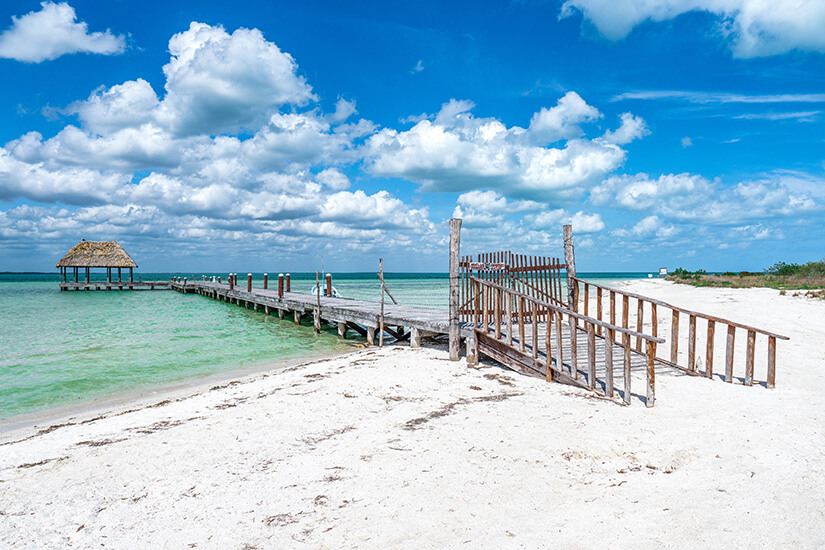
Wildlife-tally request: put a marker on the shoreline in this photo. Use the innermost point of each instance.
(140, 397)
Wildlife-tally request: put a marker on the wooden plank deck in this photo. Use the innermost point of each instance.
(575, 367)
(430, 321)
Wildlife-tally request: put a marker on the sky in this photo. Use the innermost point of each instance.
(279, 136)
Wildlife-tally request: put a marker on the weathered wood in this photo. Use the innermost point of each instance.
(771, 382)
(296, 317)
(455, 241)
(415, 338)
(749, 356)
(699, 314)
(286, 283)
(371, 336)
(729, 354)
(709, 349)
(674, 337)
(608, 361)
(471, 351)
(547, 340)
(381, 315)
(535, 330)
(509, 312)
(498, 313)
(591, 355)
(640, 313)
(651, 374)
(317, 313)
(266, 281)
(520, 322)
(599, 309)
(626, 365)
(249, 282)
(692, 343)
(280, 285)
(342, 330)
(570, 262)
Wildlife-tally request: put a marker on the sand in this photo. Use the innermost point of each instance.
(396, 447)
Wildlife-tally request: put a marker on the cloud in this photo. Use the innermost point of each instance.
(686, 142)
(487, 208)
(454, 151)
(650, 227)
(717, 97)
(632, 128)
(755, 28)
(562, 121)
(52, 32)
(418, 67)
(692, 198)
(800, 116)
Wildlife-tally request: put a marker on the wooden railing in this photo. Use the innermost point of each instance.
(502, 318)
(649, 308)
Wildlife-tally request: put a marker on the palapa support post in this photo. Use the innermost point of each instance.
(328, 291)
(266, 281)
(287, 283)
(570, 260)
(455, 241)
(280, 285)
(131, 275)
(249, 282)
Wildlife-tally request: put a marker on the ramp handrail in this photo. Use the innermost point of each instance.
(494, 302)
(676, 313)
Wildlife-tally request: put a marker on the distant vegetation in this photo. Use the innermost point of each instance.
(809, 277)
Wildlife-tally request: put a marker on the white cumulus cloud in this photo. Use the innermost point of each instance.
(52, 32)
(755, 27)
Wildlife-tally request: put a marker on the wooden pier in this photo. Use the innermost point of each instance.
(509, 307)
(401, 322)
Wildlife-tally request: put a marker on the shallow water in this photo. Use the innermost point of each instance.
(64, 348)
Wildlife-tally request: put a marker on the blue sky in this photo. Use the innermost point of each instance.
(268, 135)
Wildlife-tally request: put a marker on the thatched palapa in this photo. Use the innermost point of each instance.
(96, 254)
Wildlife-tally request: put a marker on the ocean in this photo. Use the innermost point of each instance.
(72, 348)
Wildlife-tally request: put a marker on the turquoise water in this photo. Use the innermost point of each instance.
(64, 348)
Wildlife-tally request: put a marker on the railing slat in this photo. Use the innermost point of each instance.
(771, 362)
(626, 367)
(749, 352)
(591, 355)
(559, 350)
(535, 330)
(640, 314)
(709, 349)
(521, 321)
(498, 314)
(548, 326)
(599, 309)
(509, 310)
(729, 354)
(674, 337)
(692, 343)
(608, 362)
(651, 374)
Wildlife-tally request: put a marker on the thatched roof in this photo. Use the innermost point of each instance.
(96, 254)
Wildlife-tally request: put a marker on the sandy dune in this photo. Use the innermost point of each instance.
(396, 447)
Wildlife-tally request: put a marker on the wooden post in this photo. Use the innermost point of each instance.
(318, 303)
(591, 355)
(266, 280)
(342, 330)
(296, 317)
(415, 338)
(471, 342)
(287, 283)
(328, 291)
(87, 274)
(771, 362)
(280, 285)
(608, 362)
(651, 373)
(749, 353)
(249, 282)
(119, 278)
(692, 343)
(381, 315)
(729, 354)
(231, 282)
(455, 243)
(626, 364)
(370, 336)
(570, 260)
(709, 349)
(674, 337)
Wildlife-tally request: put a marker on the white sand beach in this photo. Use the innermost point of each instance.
(395, 447)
